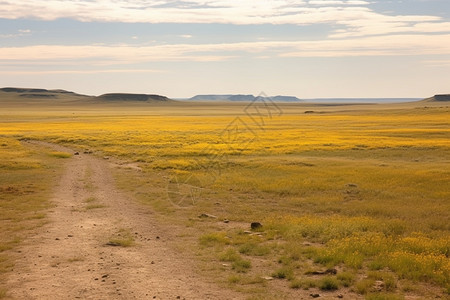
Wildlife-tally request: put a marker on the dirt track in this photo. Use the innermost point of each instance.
(69, 258)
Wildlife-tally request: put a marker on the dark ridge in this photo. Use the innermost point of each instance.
(442, 97)
(37, 95)
(131, 97)
(438, 98)
(63, 92)
(32, 90)
(210, 97)
(243, 98)
(23, 90)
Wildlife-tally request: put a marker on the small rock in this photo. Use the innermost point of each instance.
(76, 153)
(152, 262)
(57, 239)
(69, 235)
(352, 185)
(104, 276)
(315, 295)
(340, 296)
(255, 225)
(207, 216)
(378, 285)
(112, 244)
(226, 221)
(267, 277)
(327, 271)
(157, 237)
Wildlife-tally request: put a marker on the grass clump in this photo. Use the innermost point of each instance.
(285, 272)
(254, 249)
(346, 278)
(230, 255)
(214, 239)
(364, 286)
(241, 265)
(383, 296)
(58, 154)
(123, 239)
(328, 284)
(304, 283)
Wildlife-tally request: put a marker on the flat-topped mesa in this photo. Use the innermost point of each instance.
(438, 98)
(33, 92)
(23, 90)
(131, 97)
(244, 98)
(445, 97)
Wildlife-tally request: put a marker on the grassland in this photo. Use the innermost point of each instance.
(27, 174)
(352, 199)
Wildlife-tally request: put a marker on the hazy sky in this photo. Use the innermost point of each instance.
(304, 48)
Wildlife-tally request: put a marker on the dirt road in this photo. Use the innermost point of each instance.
(69, 257)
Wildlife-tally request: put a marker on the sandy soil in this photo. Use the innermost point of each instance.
(69, 257)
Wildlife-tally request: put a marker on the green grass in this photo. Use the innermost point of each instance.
(328, 284)
(384, 296)
(60, 154)
(284, 272)
(241, 265)
(359, 190)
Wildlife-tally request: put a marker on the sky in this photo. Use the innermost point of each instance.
(303, 48)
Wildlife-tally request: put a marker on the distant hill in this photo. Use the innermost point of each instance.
(131, 97)
(242, 98)
(37, 93)
(438, 98)
(16, 94)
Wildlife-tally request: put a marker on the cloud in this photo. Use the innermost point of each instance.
(20, 32)
(103, 55)
(353, 17)
(194, 11)
(437, 63)
(62, 72)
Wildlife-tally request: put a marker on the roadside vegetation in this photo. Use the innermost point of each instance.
(27, 175)
(353, 202)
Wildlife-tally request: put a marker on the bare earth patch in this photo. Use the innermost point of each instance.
(74, 255)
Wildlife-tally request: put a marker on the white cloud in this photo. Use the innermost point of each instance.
(20, 32)
(62, 72)
(191, 11)
(354, 16)
(101, 55)
(437, 63)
